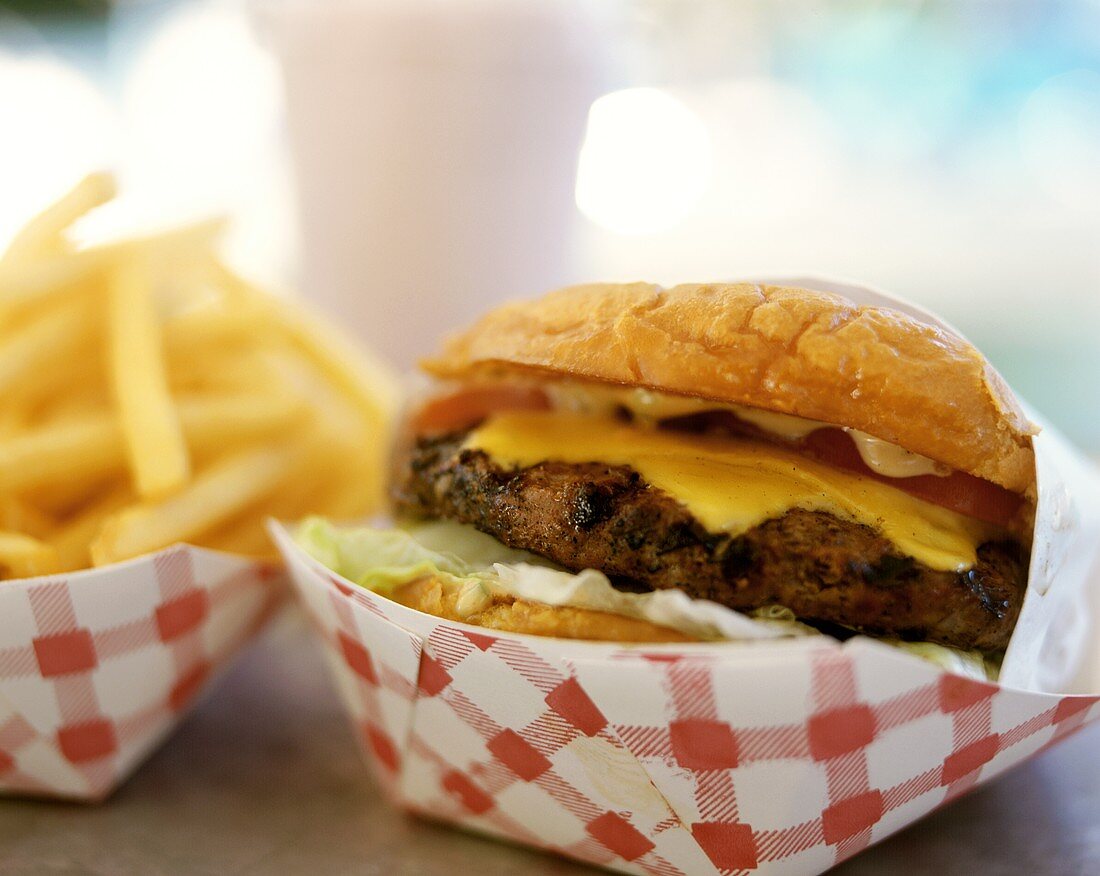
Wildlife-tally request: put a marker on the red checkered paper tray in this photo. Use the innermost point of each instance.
(97, 667)
(772, 756)
(777, 756)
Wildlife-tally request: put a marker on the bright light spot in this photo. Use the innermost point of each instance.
(645, 163)
(1060, 137)
(56, 127)
(203, 104)
(780, 151)
(201, 98)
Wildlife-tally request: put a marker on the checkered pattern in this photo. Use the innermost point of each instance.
(377, 684)
(794, 763)
(504, 740)
(97, 666)
(783, 757)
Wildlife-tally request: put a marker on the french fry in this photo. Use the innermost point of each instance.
(74, 398)
(247, 531)
(341, 428)
(189, 334)
(248, 537)
(35, 346)
(214, 496)
(231, 371)
(71, 452)
(333, 411)
(368, 385)
(151, 395)
(74, 382)
(26, 557)
(355, 493)
(224, 421)
(43, 233)
(300, 492)
(13, 419)
(368, 382)
(18, 515)
(159, 461)
(71, 541)
(64, 499)
(81, 450)
(38, 282)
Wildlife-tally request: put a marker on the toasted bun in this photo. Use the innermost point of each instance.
(535, 619)
(811, 354)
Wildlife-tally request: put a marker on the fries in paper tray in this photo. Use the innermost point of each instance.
(776, 755)
(156, 409)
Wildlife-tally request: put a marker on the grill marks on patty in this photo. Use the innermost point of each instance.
(823, 568)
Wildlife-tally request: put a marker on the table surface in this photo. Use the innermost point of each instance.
(265, 777)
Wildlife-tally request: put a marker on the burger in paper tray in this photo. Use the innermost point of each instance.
(718, 578)
(156, 409)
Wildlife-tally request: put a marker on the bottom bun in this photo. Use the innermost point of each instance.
(513, 615)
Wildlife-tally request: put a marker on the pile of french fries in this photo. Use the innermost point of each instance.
(149, 395)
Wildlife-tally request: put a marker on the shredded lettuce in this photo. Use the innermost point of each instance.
(480, 568)
(972, 664)
(381, 559)
(782, 619)
(378, 559)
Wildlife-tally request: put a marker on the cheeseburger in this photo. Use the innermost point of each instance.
(629, 463)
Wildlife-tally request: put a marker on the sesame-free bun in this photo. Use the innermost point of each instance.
(434, 596)
(810, 354)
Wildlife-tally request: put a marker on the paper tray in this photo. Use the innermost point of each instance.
(97, 667)
(779, 757)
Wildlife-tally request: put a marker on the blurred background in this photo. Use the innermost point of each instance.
(408, 164)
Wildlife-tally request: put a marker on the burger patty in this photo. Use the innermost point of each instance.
(823, 568)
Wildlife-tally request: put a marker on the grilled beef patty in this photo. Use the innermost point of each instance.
(823, 568)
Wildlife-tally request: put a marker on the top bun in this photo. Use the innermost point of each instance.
(810, 354)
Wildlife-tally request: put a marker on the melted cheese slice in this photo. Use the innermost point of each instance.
(731, 485)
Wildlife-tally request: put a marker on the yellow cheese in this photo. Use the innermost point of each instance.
(733, 485)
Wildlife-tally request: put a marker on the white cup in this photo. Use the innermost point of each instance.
(435, 145)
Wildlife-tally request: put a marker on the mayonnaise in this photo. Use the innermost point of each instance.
(648, 407)
(892, 461)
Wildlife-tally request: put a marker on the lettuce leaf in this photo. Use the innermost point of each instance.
(972, 664)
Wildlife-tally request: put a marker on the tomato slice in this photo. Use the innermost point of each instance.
(471, 405)
(957, 491)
